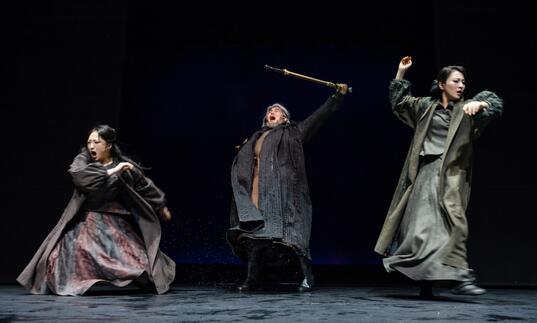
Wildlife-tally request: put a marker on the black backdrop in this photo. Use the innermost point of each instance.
(184, 85)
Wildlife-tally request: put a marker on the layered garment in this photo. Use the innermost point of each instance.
(109, 232)
(425, 231)
(280, 208)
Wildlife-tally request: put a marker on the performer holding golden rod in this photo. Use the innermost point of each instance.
(271, 209)
(307, 78)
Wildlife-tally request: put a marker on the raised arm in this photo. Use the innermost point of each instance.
(309, 126)
(404, 65)
(405, 106)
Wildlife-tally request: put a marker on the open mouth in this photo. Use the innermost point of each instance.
(272, 118)
(93, 153)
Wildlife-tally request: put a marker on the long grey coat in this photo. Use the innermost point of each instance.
(144, 199)
(456, 170)
(284, 213)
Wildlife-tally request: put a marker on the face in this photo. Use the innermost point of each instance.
(275, 116)
(98, 148)
(454, 87)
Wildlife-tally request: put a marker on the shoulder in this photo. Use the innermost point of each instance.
(82, 158)
(427, 100)
(423, 103)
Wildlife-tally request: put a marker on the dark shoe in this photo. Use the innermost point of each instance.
(308, 282)
(468, 288)
(426, 290)
(246, 287)
(254, 268)
(306, 286)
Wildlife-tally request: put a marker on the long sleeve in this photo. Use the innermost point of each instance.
(405, 106)
(145, 187)
(484, 117)
(87, 176)
(314, 122)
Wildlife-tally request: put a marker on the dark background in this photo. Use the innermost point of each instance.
(185, 84)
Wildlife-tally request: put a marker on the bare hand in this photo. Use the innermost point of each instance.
(342, 88)
(165, 214)
(471, 108)
(124, 166)
(120, 168)
(405, 63)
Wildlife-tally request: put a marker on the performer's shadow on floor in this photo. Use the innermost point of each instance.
(103, 289)
(439, 288)
(264, 288)
(273, 278)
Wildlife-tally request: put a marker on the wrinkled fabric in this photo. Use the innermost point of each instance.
(437, 134)
(93, 189)
(284, 212)
(101, 247)
(423, 232)
(455, 173)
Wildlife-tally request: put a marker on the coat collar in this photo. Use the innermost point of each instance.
(427, 110)
(435, 105)
(456, 118)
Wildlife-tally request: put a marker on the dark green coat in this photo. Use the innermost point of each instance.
(456, 170)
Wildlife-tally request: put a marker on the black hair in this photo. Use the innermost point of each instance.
(442, 77)
(109, 134)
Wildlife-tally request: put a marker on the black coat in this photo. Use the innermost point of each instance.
(284, 213)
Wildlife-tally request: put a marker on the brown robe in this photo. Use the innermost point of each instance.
(143, 199)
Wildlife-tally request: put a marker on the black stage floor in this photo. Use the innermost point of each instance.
(221, 303)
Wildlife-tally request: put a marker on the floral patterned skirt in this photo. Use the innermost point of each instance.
(101, 247)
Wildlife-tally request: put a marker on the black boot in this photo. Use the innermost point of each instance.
(426, 289)
(468, 287)
(254, 267)
(308, 283)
